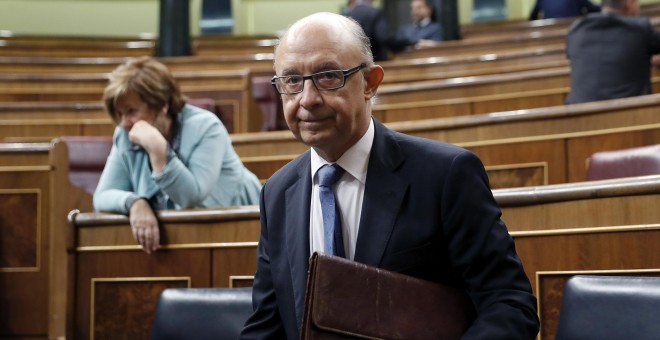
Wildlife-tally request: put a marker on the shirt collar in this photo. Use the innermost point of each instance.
(355, 160)
(424, 22)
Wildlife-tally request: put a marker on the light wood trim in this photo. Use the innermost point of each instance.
(577, 191)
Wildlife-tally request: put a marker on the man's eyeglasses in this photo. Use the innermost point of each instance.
(324, 81)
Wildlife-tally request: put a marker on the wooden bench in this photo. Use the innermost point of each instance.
(17, 84)
(98, 81)
(452, 88)
(36, 195)
(602, 227)
(57, 47)
(507, 91)
(81, 46)
(208, 46)
(396, 70)
(499, 125)
(547, 142)
(233, 103)
(202, 248)
(489, 44)
(101, 245)
(62, 65)
(490, 28)
(480, 94)
(586, 128)
(421, 69)
(526, 161)
(105, 247)
(532, 147)
(498, 41)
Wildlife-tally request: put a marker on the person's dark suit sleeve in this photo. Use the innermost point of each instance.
(655, 41)
(437, 35)
(534, 14)
(483, 254)
(265, 322)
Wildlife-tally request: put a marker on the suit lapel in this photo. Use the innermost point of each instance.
(298, 198)
(383, 196)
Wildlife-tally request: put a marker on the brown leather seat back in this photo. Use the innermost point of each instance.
(638, 161)
(87, 157)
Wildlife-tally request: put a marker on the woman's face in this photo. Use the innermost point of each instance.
(131, 109)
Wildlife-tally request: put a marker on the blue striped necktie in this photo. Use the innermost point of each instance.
(332, 233)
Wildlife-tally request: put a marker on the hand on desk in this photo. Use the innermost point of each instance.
(144, 226)
(424, 43)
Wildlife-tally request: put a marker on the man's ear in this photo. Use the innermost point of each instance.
(373, 76)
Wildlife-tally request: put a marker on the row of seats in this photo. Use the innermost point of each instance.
(593, 307)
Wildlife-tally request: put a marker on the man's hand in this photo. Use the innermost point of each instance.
(655, 60)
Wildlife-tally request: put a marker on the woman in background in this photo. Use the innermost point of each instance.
(166, 154)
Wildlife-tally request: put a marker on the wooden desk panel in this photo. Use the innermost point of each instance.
(615, 250)
(207, 247)
(24, 234)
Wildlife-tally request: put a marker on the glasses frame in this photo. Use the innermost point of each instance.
(346, 73)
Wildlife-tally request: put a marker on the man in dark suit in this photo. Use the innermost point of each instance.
(411, 205)
(422, 28)
(611, 53)
(374, 23)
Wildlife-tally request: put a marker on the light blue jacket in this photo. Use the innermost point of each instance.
(206, 171)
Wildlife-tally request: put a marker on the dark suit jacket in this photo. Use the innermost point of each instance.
(610, 57)
(562, 8)
(432, 31)
(427, 212)
(375, 26)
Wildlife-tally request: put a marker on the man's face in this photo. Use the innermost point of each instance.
(329, 120)
(419, 10)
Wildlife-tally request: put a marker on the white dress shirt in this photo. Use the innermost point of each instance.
(349, 192)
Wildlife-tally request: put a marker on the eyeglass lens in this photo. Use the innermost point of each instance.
(327, 80)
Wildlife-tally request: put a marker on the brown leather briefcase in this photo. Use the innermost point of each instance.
(350, 300)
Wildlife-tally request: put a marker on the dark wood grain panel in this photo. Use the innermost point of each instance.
(95, 266)
(19, 230)
(514, 175)
(24, 285)
(230, 263)
(124, 308)
(549, 152)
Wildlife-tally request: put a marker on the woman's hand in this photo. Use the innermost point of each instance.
(144, 226)
(149, 138)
